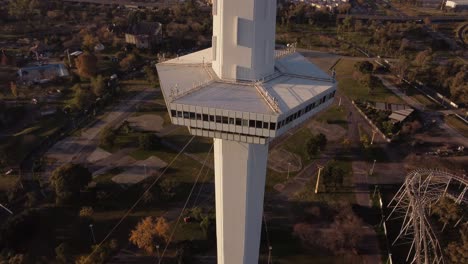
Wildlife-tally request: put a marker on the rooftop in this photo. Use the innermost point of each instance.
(189, 80)
(144, 28)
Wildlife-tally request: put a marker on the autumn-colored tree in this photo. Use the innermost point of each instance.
(459, 87)
(424, 58)
(86, 212)
(446, 210)
(128, 62)
(98, 86)
(86, 65)
(341, 237)
(81, 97)
(14, 89)
(107, 137)
(457, 251)
(100, 254)
(89, 41)
(22, 9)
(149, 232)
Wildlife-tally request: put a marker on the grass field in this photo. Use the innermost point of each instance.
(7, 182)
(30, 138)
(333, 115)
(297, 144)
(457, 124)
(354, 90)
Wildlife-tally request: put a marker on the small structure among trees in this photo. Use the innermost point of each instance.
(144, 34)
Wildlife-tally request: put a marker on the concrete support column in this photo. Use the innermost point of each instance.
(240, 172)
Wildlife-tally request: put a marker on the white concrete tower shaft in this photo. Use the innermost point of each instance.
(240, 171)
(243, 38)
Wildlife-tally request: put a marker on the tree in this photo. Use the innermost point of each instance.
(18, 259)
(81, 97)
(148, 141)
(364, 66)
(107, 137)
(62, 253)
(333, 175)
(446, 210)
(128, 62)
(89, 42)
(86, 65)
(86, 212)
(315, 144)
(346, 232)
(459, 87)
(149, 232)
(101, 254)
(369, 81)
(342, 236)
(457, 251)
(205, 225)
(68, 180)
(14, 89)
(401, 68)
(344, 8)
(424, 58)
(98, 86)
(151, 75)
(22, 9)
(19, 229)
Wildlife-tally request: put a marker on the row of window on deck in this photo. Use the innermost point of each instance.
(250, 123)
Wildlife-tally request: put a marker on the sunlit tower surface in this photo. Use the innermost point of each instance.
(242, 93)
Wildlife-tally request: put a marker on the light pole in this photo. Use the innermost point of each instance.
(373, 136)
(92, 232)
(372, 169)
(269, 254)
(289, 164)
(318, 177)
(6, 209)
(159, 256)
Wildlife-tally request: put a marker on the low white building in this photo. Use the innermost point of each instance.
(457, 4)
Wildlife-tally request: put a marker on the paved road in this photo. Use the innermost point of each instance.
(79, 148)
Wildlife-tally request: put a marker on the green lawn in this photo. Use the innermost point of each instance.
(354, 90)
(333, 115)
(297, 142)
(22, 143)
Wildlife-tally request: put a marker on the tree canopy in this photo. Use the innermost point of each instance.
(86, 65)
(68, 180)
(149, 232)
(316, 144)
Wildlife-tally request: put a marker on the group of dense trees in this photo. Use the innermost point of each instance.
(333, 175)
(341, 237)
(149, 233)
(316, 144)
(67, 182)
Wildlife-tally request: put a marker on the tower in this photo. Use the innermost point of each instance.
(242, 93)
(243, 38)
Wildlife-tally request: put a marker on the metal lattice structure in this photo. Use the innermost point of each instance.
(421, 189)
